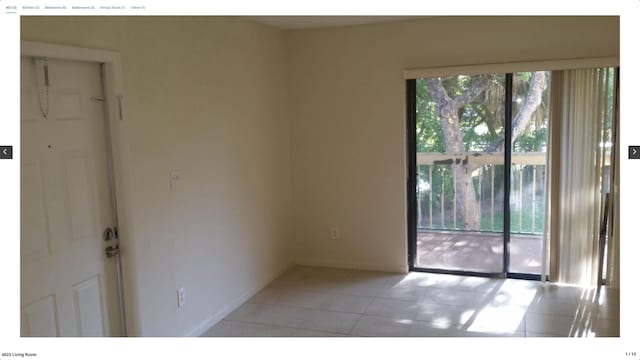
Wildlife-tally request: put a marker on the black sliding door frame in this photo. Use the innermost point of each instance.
(506, 225)
(412, 173)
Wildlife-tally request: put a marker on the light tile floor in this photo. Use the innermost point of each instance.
(313, 301)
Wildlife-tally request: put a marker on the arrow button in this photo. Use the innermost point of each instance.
(634, 152)
(6, 152)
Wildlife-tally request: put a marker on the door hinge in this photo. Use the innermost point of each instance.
(119, 97)
(46, 74)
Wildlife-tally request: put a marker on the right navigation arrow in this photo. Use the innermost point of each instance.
(634, 152)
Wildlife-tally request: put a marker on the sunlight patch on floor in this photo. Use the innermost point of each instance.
(501, 316)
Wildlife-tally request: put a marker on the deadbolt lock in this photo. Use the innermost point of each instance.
(110, 233)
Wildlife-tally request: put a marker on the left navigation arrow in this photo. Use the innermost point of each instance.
(6, 152)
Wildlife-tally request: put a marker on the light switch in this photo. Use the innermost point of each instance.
(335, 233)
(174, 178)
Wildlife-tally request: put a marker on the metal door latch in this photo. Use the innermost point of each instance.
(111, 251)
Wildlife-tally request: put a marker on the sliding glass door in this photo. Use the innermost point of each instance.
(530, 108)
(469, 215)
(459, 169)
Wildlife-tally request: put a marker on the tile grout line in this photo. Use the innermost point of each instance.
(309, 308)
(354, 325)
(285, 327)
(305, 308)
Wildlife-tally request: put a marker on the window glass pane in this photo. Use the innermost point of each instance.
(460, 166)
(530, 116)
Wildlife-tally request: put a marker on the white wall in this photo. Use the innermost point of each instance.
(208, 97)
(347, 113)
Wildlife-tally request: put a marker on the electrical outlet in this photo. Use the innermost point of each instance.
(182, 297)
(335, 233)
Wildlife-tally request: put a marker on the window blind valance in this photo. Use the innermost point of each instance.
(511, 67)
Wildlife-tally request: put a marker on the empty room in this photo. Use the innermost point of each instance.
(321, 176)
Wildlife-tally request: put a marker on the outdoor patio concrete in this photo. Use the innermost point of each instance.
(480, 252)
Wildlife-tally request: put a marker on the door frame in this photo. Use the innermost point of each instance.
(412, 183)
(116, 119)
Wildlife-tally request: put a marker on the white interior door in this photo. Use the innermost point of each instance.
(67, 284)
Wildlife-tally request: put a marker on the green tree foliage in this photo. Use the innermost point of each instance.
(482, 120)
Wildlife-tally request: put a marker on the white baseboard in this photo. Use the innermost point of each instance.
(222, 313)
(400, 268)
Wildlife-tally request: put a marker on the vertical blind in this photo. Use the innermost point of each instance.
(580, 169)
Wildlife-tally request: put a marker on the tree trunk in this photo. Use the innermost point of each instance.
(447, 109)
(466, 198)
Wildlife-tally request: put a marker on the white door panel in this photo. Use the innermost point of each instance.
(35, 242)
(39, 318)
(87, 301)
(67, 283)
